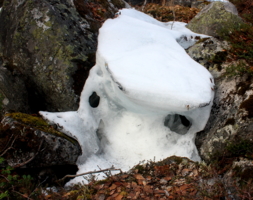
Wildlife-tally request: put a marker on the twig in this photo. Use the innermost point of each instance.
(90, 172)
(143, 6)
(173, 11)
(7, 143)
(5, 178)
(24, 163)
(37, 186)
(23, 195)
(9, 147)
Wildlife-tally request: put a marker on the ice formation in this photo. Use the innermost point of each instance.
(144, 98)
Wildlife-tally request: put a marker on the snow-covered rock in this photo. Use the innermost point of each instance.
(145, 98)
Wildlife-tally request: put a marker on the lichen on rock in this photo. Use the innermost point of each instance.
(52, 46)
(211, 53)
(230, 116)
(215, 17)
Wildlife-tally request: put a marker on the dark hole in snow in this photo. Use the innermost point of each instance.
(177, 123)
(184, 120)
(94, 100)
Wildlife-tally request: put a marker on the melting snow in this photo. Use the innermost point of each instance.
(144, 98)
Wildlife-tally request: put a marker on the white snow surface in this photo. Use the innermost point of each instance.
(147, 86)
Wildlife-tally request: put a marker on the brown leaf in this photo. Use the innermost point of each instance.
(119, 197)
(148, 189)
(184, 187)
(131, 195)
(159, 191)
(113, 187)
(124, 176)
(112, 192)
(134, 184)
(167, 178)
(185, 172)
(139, 177)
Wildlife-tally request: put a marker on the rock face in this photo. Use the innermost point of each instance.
(214, 17)
(211, 53)
(13, 94)
(28, 142)
(51, 47)
(231, 120)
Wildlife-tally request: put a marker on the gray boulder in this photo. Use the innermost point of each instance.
(29, 142)
(230, 127)
(215, 17)
(231, 119)
(13, 94)
(52, 47)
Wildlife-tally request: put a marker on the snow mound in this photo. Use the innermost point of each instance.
(144, 98)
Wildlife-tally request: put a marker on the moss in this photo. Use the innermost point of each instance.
(248, 106)
(124, 193)
(100, 182)
(245, 174)
(219, 57)
(240, 147)
(215, 19)
(38, 123)
(230, 121)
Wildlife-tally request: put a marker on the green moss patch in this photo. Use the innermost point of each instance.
(38, 123)
(240, 147)
(219, 58)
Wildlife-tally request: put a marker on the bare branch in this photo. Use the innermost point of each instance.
(9, 147)
(90, 172)
(23, 195)
(5, 178)
(7, 143)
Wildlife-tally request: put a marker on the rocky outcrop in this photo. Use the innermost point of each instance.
(230, 126)
(51, 47)
(231, 120)
(29, 142)
(215, 17)
(211, 53)
(13, 94)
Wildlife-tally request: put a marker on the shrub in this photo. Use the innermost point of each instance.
(13, 186)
